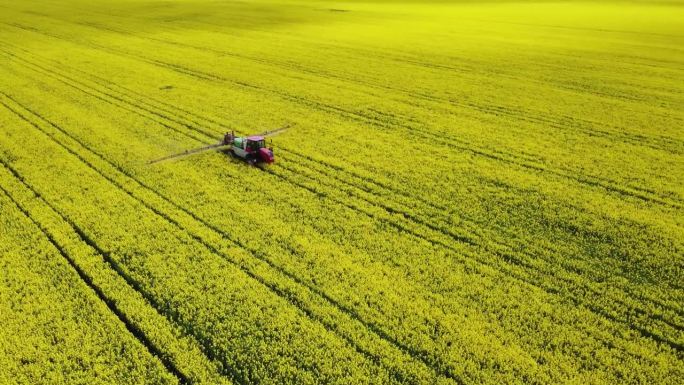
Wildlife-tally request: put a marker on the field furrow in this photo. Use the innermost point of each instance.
(464, 193)
(527, 263)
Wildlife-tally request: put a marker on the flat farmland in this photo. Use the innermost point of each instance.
(468, 192)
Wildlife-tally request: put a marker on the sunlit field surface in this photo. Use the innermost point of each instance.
(469, 193)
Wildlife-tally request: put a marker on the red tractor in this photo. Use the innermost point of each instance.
(252, 148)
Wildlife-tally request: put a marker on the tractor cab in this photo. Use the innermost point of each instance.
(254, 143)
(252, 148)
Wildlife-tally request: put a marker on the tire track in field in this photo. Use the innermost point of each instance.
(285, 293)
(526, 280)
(579, 124)
(470, 241)
(175, 43)
(495, 155)
(470, 236)
(312, 163)
(582, 125)
(393, 56)
(508, 258)
(117, 101)
(352, 208)
(640, 140)
(167, 125)
(517, 263)
(457, 237)
(111, 262)
(548, 289)
(130, 326)
(201, 75)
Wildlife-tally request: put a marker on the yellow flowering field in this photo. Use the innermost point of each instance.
(468, 193)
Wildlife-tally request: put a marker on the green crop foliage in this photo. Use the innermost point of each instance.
(471, 192)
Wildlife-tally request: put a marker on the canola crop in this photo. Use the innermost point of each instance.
(470, 192)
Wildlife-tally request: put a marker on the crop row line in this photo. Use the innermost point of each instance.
(373, 328)
(295, 67)
(434, 208)
(506, 258)
(295, 294)
(132, 328)
(582, 125)
(174, 67)
(361, 180)
(467, 236)
(106, 255)
(496, 155)
(617, 305)
(449, 245)
(300, 186)
(208, 134)
(370, 326)
(367, 51)
(334, 175)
